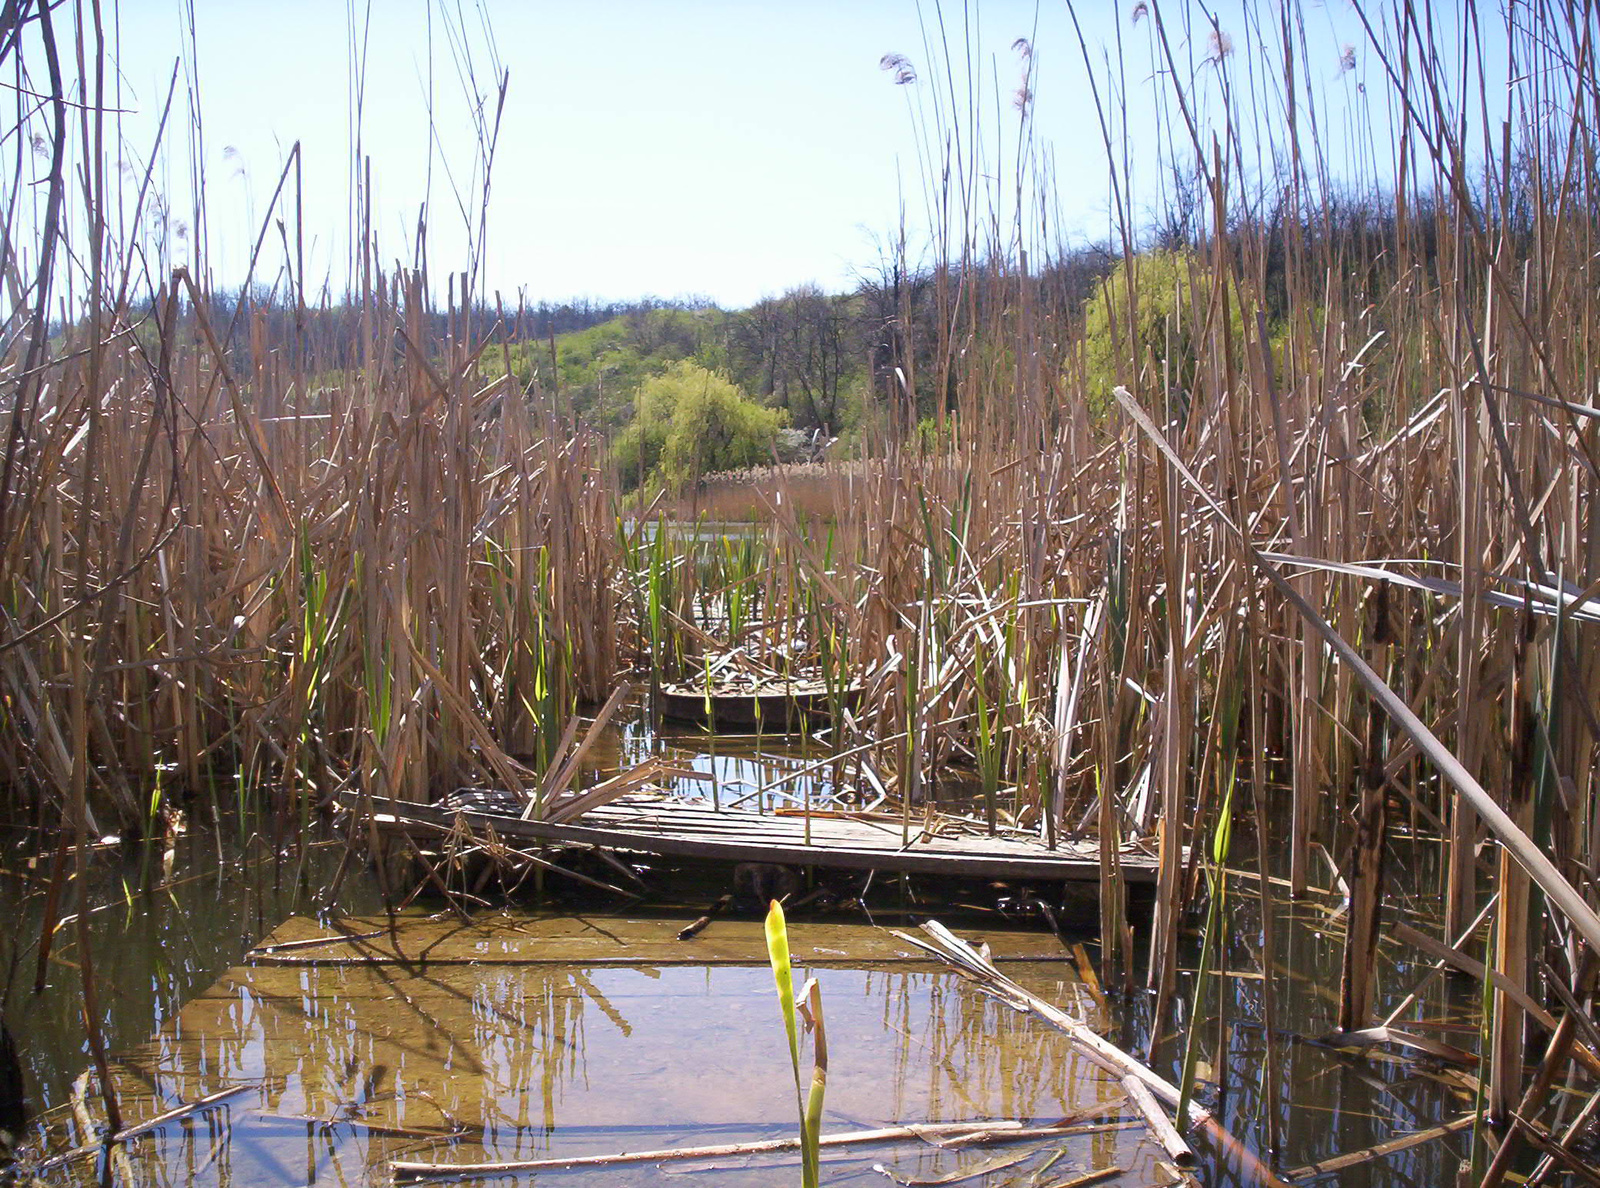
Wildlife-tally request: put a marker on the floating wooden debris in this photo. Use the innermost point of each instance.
(679, 828)
(744, 701)
(702, 923)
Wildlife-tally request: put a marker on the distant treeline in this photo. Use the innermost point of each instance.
(839, 363)
(331, 330)
(815, 355)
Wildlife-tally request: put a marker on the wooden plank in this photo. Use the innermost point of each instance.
(655, 832)
(798, 854)
(670, 818)
(965, 845)
(627, 941)
(687, 818)
(674, 820)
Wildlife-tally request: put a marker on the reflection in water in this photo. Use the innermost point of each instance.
(747, 771)
(354, 1064)
(350, 1066)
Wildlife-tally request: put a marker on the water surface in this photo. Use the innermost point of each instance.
(349, 1064)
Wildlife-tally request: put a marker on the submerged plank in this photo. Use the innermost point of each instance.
(351, 1066)
(592, 941)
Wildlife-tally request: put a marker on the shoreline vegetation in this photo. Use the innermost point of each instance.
(1277, 518)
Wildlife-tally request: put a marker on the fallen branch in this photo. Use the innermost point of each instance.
(955, 951)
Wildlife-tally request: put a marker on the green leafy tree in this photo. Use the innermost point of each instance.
(691, 421)
(1172, 291)
(598, 370)
(638, 447)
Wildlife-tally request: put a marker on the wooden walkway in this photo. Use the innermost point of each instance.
(679, 828)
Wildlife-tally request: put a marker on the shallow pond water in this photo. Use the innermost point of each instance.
(347, 1066)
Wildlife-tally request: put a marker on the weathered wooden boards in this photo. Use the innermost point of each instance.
(685, 829)
(769, 705)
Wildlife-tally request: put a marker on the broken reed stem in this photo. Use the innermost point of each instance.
(1156, 1118)
(1533, 1098)
(1508, 1039)
(1389, 1147)
(187, 1109)
(1365, 873)
(949, 948)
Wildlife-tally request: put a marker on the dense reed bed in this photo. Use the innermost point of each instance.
(392, 578)
(255, 551)
(1292, 525)
(1310, 545)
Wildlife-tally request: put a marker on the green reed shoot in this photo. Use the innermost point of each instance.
(988, 741)
(1216, 882)
(807, 1005)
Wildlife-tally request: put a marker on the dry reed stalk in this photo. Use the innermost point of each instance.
(251, 546)
(1365, 869)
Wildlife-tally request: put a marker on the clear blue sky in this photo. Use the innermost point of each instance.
(693, 147)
